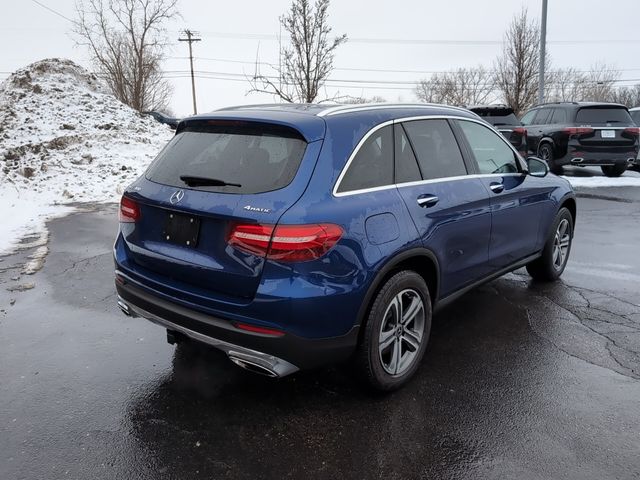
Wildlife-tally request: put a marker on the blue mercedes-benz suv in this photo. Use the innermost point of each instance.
(294, 236)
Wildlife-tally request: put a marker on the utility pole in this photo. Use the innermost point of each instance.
(543, 48)
(191, 37)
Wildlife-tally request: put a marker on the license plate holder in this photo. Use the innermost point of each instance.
(181, 229)
(607, 134)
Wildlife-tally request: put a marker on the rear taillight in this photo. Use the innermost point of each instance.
(285, 243)
(635, 131)
(129, 210)
(578, 130)
(520, 130)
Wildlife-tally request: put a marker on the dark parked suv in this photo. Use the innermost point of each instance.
(583, 134)
(506, 122)
(294, 236)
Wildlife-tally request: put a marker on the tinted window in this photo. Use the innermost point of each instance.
(259, 157)
(492, 154)
(635, 115)
(593, 115)
(436, 148)
(528, 117)
(497, 116)
(373, 164)
(542, 116)
(406, 164)
(559, 115)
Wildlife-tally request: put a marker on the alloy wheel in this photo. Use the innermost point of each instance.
(401, 332)
(561, 244)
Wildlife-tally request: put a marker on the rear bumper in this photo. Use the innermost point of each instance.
(280, 355)
(580, 156)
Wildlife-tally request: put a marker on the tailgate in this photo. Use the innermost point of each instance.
(181, 235)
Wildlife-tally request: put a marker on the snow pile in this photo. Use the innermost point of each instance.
(65, 139)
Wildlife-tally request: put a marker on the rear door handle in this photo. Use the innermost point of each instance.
(426, 201)
(496, 187)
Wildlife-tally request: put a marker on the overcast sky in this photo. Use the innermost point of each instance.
(410, 37)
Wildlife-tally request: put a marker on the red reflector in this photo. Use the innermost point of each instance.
(129, 210)
(632, 131)
(578, 130)
(262, 330)
(286, 243)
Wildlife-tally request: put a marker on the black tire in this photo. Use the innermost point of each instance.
(545, 152)
(546, 268)
(408, 286)
(614, 170)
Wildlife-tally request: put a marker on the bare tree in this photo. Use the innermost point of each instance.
(629, 96)
(564, 85)
(350, 99)
(126, 40)
(516, 74)
(308, 61)
(463, 87)
(597, 84)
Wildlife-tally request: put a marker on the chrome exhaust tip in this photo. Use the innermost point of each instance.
(577, 160)
(630, 160)
(124, 307)
(252, 366)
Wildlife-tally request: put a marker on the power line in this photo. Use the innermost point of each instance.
(380, 70)
(408, 41)
(52, 10)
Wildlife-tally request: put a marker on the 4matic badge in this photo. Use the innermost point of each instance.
(257, 209)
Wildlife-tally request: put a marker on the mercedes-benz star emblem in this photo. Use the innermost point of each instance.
(176, 197)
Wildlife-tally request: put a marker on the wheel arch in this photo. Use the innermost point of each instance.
(420, 260)
(570, 204)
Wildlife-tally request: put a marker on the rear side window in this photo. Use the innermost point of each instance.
(258, 157)
(542, 117)
(527, 119)
(559, 115)
(436, 148)
(492, 154)
(594, 115)
(373, 164)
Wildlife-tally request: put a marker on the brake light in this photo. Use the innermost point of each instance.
(520, 130)
(632, 131)
(285, 243)
(129, 210)
(578, 130)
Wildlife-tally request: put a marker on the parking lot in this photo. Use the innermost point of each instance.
(520, 380)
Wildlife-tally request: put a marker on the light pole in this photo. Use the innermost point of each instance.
(543, 47)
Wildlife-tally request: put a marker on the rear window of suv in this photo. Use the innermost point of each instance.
(498, 117)
(258, 157)
(591, 115)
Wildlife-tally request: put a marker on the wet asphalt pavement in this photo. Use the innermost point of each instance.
(520, 380)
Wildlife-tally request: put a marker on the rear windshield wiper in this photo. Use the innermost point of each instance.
(194, 181)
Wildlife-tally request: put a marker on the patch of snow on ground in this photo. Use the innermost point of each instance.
(65, 139)
(628, 179)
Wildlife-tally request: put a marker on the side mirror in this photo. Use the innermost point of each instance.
(537, 167)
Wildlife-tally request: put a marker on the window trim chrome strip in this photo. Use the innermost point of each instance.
(344, 170)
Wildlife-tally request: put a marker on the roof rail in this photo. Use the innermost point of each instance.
(554, 103)
(340, 109)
